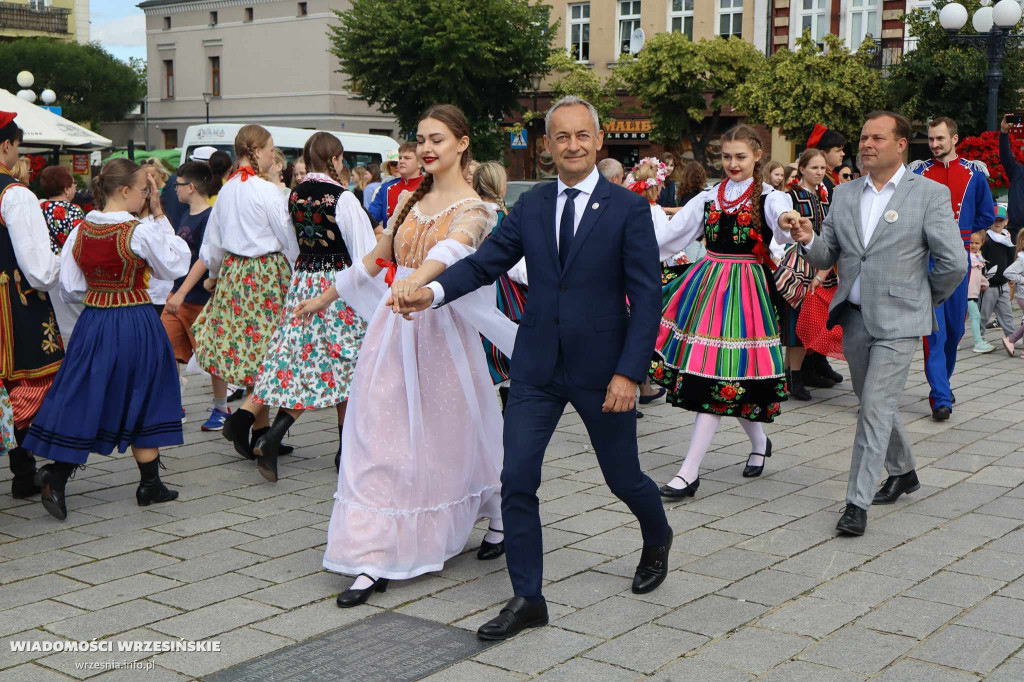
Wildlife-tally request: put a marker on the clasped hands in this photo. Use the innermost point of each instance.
(408, 296)
(799, 227)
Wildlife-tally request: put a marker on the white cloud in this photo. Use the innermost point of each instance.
(127, 31)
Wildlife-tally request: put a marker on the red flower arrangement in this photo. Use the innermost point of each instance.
(985, 148)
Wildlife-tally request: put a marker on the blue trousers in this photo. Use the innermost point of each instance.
(940, 346)
(531, 416)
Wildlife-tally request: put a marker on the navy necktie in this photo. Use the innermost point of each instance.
(567, 228)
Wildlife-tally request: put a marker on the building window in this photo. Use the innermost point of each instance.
(303, 9)
(629, 21)
(248, 14)
(213, 18)
(680, 17)
(169, 78)
(167, 23)
(730, 18)
(579, 31)
(386, 132)
(863, 21)
(813, 15)
(170, 138)
(215, 76)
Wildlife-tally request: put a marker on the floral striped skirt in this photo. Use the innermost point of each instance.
(718, 348)
(511, 301)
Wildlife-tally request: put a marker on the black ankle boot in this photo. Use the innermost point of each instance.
(337, 457)
(796, 386)
(54, 478)
(23, 465)
(151, 488)
(236, 431)
(267, 447)
(283, 449)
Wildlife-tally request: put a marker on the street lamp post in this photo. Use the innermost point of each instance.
(993, 25)
(206, 98)
(535, 84)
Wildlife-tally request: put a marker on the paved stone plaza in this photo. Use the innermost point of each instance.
(760, 588)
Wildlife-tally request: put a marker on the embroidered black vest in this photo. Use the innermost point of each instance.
(312, 205)
(30, 343)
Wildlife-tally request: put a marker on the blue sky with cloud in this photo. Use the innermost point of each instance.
(120, 27)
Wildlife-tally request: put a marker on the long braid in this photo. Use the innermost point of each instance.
(251, 153)
(425, 186)
(756, 197)
(334, 174)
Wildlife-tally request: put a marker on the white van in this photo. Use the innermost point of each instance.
(360, 149)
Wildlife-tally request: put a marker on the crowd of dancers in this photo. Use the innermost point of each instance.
(406, 331)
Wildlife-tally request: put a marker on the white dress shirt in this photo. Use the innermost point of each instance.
(249, 219)
(168, 255)
(586, 188)
(29, 237)
(351, 219)
(159, 289)
(872, 204)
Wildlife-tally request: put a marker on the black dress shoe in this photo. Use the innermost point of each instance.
(653, 567)
(797, 390)
(236, 431)
(854, 521)
(638, 413)
(518, 614)
(268, 445)
(54, 477)
(350, 597)
(689, 491)
(751, 471)
(236, 395)
(26, 481)
(895, 486)
(491, 550)
(646, 399)
(815, 380)
(941, 413)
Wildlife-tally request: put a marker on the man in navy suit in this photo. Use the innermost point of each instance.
(589, 245)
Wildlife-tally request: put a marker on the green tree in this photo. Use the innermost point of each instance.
(92, 85)
(798, 88)
(404, 55)
(678, 81)
(942, 78)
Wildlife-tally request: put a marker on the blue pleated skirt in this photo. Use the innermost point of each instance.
(118, 386)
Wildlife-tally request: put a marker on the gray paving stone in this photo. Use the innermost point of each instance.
(236, 646)
(991, 564)
(955, 588)
(703, 670)
(207, 565)
(967, 649)
(36, 589)
(117, 591)
(30, 672)
(111, 620)
(1011, 671)
(820, 562)
(984, 524)
(215, 619)
(913, 671)
(33, 615)
(537, 650)
(754, 649)
(583, 589)
(611, 617)
(38, 564)
(750, 522)
(647, 648)
(287, 567)
(858, 587)
(471, 671)
(314, 619)
(10, 658)
(44, 543)
(582, 669)
(858, 649)
(300, 591)
(122, 566)
(910, 617)
(731, 563)
(770, 587)
(782, 542)
(812, 617)
(802, 671)
(705, 541)
(198, 545)
(680, 588)
(997, 614)
(209, 591)
(712, 616)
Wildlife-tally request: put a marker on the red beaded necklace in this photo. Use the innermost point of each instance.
(732, 206)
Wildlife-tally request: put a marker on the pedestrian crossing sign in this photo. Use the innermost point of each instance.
(518, 139)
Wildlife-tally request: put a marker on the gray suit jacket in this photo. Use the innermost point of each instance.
(898, 293)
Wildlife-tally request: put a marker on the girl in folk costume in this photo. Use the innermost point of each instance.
(718, 351)
(795, 278)
(118, 385)
(490, 182)
(62, 216)
(248, 247)
(309, 367)
(423, 439)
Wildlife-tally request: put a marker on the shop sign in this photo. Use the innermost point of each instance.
(630, 130)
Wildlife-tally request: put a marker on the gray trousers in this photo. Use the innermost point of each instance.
(879, 369)
(997, 299)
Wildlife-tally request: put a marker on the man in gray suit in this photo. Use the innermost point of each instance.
(881, 230)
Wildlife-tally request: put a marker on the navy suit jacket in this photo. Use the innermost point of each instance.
(581, 309)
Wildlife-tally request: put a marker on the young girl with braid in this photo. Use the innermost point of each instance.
(718, 351)
(249, 248)
(422, 441)
(309, 367)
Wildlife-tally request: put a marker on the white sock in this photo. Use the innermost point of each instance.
(221, 404)
(361, 583)
(704, 428)
(495, 532)
(758, 440)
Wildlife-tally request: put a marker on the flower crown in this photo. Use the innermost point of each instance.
(660, 176)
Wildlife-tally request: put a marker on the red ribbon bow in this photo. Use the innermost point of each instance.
(245, 171)
(390, 267)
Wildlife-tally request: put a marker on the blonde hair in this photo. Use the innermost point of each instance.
(491, 182)
(362, 176)
(771, 166)
(1020, 240)
(250, 138)
(21, 170)
(646, 172)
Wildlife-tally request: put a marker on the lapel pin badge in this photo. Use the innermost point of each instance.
(891, 216)
(595, 206)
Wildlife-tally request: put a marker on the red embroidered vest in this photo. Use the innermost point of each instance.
(115, 275)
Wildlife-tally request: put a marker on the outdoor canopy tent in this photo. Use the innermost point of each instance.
(48, 131)
(170, 157)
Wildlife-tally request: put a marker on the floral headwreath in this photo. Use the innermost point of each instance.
(661, 174)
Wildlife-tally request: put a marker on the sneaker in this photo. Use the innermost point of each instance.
(216, 420)
(994, 324)
(183, 418)
(983, 347)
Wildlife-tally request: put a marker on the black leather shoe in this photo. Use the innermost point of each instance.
(689, 491)
(830, 373)
(518, 614)
(797, 390)
(350, 597)
(647, 399)
(638, 413)
(491, 550)
(236, 395)
(149, 492)
(54, 478)
(941, 413)
(236, 431)
(854, 521)
(268, 446)
(750, 471)
(815, 380)
(895, 486)
(653, 567)
(26, 481)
